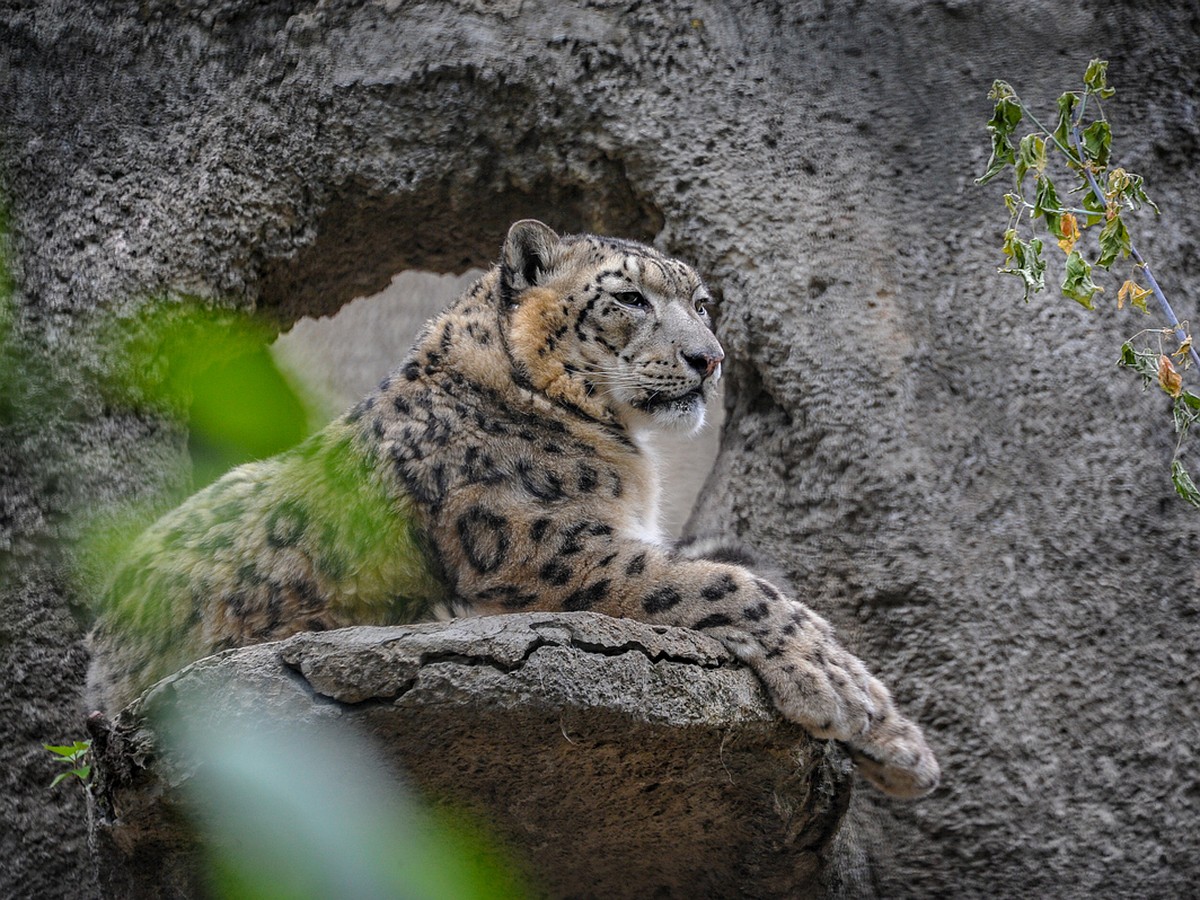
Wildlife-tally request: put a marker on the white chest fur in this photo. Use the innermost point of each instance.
(642, 520)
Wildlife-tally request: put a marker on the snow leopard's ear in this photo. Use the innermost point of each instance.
(528, 253)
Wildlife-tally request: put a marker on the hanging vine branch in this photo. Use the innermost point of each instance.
(1082, 145)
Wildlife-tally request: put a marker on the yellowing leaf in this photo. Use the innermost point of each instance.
(1068, 228)
(1010, 242)
(1184, 348)
(1134, 293)
(1118, 183)
(1031, 154)
(1169, 378)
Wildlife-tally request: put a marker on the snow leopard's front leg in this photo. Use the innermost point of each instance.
(818, 683)
(812, 679)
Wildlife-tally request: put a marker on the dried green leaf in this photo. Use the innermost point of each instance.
(1143, 362)
(1066, 109)
(1025, 261)
(1097, 142)
(1046, 203)
(1184, 486)
(1114, 242)
(1183, 415)
(1094, 206)
(1136, 192)
(1001, 90)
(1077, 281)
(1005, 117)
(1096, 78)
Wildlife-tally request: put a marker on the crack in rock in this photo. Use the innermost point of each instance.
(363, 665)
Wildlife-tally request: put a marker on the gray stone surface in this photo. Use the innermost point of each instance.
(611, 758)
(965, 485)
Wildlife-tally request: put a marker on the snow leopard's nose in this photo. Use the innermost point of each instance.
(704, 362)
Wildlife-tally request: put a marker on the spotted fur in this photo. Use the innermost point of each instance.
(503, 466)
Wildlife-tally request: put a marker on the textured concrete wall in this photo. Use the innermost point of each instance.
(965, 485)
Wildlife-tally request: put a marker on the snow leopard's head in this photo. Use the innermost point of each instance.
(612, 320)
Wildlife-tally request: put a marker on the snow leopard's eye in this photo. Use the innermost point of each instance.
(632, 299)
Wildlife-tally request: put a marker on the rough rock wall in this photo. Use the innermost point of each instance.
(1000, 543)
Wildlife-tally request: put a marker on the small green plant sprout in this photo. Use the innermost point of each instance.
(1079, 147)
(75, 756)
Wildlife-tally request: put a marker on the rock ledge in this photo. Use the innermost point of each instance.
(611, 757)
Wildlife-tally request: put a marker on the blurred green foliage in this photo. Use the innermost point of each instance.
(307, 811)
(242, 409)
(184, 360)
(211, 366)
